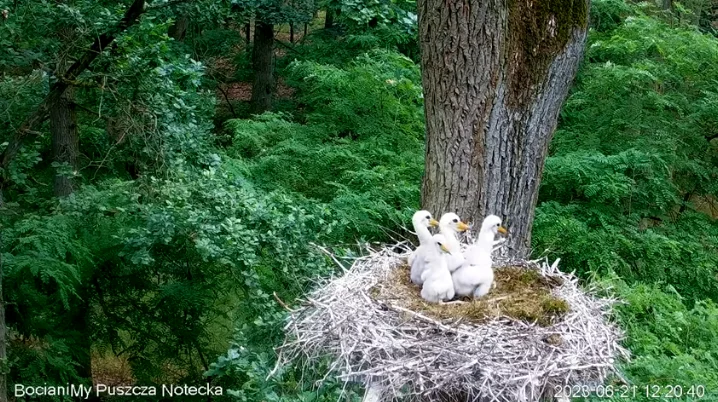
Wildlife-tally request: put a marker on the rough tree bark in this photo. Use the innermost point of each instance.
(263, 64)
(495, 75)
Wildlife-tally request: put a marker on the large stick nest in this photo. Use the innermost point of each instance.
(375, 329)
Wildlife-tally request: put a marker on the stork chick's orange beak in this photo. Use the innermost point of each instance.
(503, 230)
(462, 226)
(433, 222)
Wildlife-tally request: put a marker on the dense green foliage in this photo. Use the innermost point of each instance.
(191, 218)
(632, 167)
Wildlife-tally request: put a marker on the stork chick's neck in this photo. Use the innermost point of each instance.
(422, 232)
(451, 240)
(485, 242)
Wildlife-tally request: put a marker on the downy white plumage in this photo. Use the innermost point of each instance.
(421, 221)
(449, 226)
(438, 285)
(475, 276)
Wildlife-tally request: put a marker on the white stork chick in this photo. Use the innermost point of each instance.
(449, 226)
(421, 221)
(438, 285)
(475, 276)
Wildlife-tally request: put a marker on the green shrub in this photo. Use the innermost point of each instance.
(671, 342)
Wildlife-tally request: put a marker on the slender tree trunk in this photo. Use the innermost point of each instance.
(178, 30)
(81, 321)
(65, 142)
(495, 75)
(248, 32)
(263, 63)
(305, 31)
(329, 18)
(3, 335)
(63, 123)
(291, 26)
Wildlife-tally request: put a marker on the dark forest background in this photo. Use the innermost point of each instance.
(187, 171)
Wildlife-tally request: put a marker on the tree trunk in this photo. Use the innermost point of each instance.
(63, 123)
(263, 64)
(178, 30)
(291, 26)
(65, 142)
(3, 335)
(329, 18)
(495, 76)
(80, 320)
(248, 32)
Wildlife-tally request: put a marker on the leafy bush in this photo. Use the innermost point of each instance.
(625, 188)
(631, 164)
(671, 342)
(359, 150)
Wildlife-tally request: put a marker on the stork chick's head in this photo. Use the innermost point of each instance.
(451, 220)
(492, 224)
(423, 219)
(440, 243)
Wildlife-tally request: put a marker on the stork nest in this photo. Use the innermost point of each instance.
(536, 330)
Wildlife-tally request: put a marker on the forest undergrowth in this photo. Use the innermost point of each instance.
(192, 216)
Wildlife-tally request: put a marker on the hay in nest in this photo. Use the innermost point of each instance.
(521, 293)
(534, 331)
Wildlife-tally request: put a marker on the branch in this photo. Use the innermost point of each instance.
(168, 4)
(226, 97)
(86, 109)
(41, 114)
(292, 48)
(281, 303)
(80, 84)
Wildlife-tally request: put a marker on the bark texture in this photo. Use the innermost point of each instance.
(495, 74)
(263, 64)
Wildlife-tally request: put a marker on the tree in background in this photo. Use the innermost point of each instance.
(116, 93)
(267, 14)
(493, 89)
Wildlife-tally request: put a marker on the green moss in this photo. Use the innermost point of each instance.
(554, 305)
(529, 276)
(538, 31)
